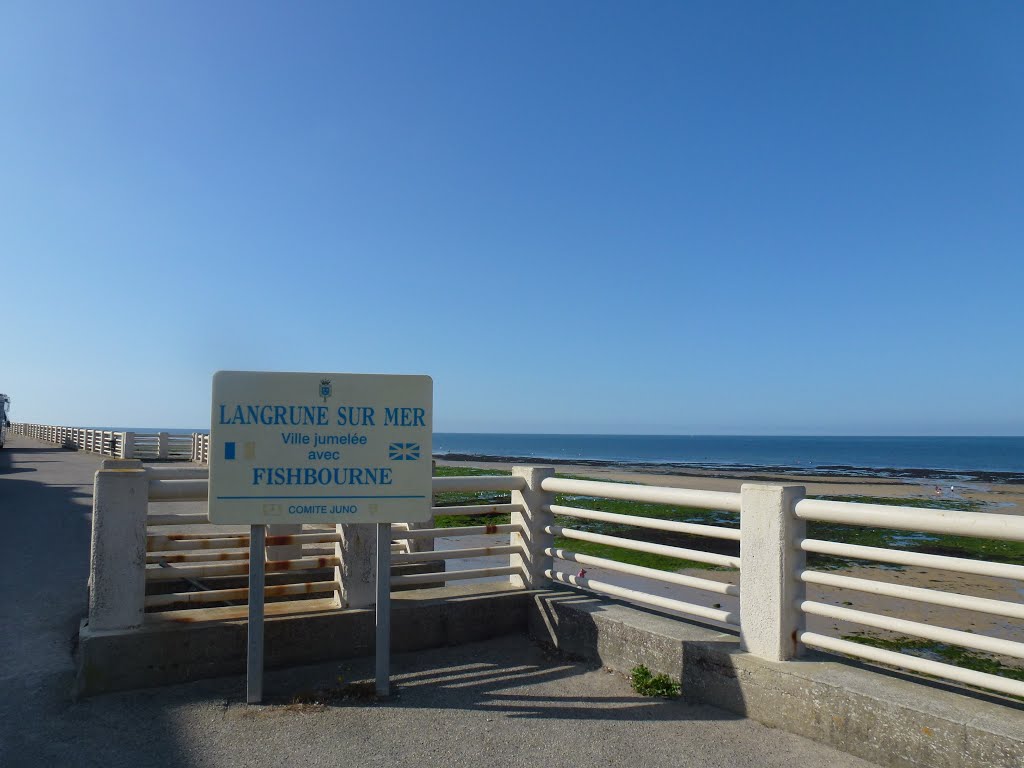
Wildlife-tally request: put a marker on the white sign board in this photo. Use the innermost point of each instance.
(320, 448)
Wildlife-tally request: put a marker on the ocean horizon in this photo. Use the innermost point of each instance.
(837, 454)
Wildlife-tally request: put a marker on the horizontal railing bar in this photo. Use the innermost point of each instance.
(466, 530)
(239, 569)
(732, 534)
(164, 544)
(241, 593)
(651, 494)
(707, 585)
(469, 573)
(645, 546)
(185, 519)
(914, 663)
(202, 556)
(178, 473)
(318, 552)
(933, 596)
(477, 509)
(179, 490)
(922, 559)
(985, 525)
(917, 629)
(479, 483)
(726, 617)
(453, 554)
(185, 541)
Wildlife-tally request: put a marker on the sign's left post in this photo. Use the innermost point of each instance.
(254, 656)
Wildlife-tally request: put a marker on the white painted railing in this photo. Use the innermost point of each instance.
(196, 553)
(101, 441)
(158, 446)
(972, 524)
(773, 606)
(651, 495)
(200, 447)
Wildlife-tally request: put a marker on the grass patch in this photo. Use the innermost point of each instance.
(656, 511)
(658, 562)
(963, 505)
(463, 498)
(647, 560)
(646, 683)
(1011, 552)
(953, 546)
(950, 654)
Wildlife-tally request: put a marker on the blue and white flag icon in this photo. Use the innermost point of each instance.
(404, 451)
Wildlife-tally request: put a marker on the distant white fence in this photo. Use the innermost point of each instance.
(772, 535)
(201, 447)
(100, 441)
(160, 446)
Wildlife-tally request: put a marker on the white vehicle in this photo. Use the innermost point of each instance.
(5, 406)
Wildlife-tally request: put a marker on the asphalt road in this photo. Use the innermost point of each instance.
(502, 703)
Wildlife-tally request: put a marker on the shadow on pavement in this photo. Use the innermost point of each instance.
(45, 507)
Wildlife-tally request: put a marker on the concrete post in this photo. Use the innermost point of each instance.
(770, 559)
(357, 574)
(533, 519)
(423, 545)
(284, 551)
(127, 445)
(163, 445)
(117, 571)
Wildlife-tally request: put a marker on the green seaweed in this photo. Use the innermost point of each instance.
(950, 654)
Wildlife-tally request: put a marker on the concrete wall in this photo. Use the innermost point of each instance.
(161, 653)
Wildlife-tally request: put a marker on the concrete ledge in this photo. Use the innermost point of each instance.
(168, 652)
(887, 718)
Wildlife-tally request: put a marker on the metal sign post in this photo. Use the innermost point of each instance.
(254, 657)
(383, 609)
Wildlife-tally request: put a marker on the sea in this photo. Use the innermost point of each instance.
(911, 457)
(965, 458)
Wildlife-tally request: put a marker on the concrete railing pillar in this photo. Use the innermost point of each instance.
(770, 559)
(533, 519)
(127, 445)
(357, 572)
(423, 545)
(163, 445)
(284, 551)
(117, 570)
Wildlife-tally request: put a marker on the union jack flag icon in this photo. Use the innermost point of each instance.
(404, 451)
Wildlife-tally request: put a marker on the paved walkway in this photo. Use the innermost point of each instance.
(501, 703)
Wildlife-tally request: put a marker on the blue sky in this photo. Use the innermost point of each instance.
(746, 218)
